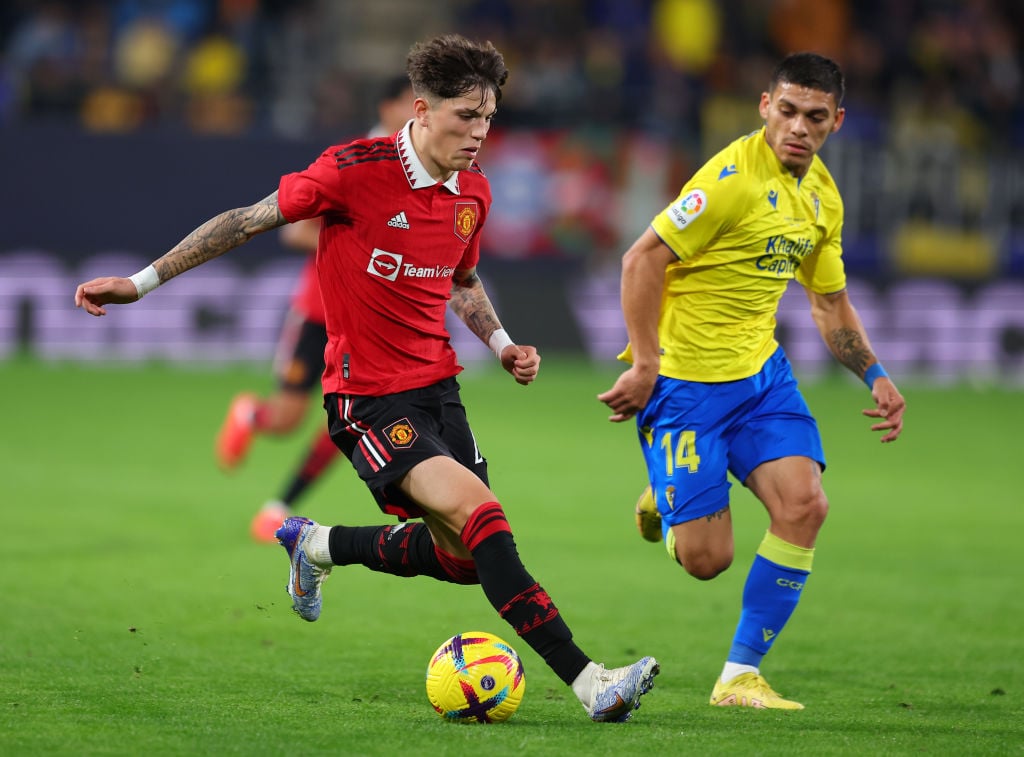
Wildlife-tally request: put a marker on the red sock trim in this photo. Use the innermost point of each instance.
(321, 453)
(533, 608)
(460, 571)
(486, 520)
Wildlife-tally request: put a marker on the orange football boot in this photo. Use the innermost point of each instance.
(236, 432)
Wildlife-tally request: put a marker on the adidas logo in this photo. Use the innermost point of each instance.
(399, 221)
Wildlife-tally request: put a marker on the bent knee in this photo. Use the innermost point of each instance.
(286, 424)
(704, 565)
(811, 510)
(286, 411)
(704, 548)
(800, 519)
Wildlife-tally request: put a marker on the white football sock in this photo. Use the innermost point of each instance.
(318, 547)
(583, 686)
(733, 669)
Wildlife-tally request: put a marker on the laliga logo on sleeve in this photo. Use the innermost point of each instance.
(687, 208)
(384, 264)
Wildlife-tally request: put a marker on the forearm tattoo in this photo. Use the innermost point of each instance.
(849, 348)
(218, 235)
(473, 307)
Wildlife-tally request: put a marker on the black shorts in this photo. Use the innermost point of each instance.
(299, 359)
(385, 437)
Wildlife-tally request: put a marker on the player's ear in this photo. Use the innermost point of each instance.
(766, 101)
(421, 111)
(840, 115)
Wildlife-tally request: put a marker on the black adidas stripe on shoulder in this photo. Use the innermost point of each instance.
(365, 152)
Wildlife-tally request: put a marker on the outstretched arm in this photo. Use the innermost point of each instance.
(843, 332)
(471, 304)
(215, 237)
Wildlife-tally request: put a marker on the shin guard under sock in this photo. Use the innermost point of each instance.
(516, 596)
(770, 595)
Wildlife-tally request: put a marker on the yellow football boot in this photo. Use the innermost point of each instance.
(648, 519)
(750, 690)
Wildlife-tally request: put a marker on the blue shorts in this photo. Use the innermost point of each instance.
(692, 434)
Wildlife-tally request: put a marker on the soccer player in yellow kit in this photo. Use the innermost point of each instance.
(710, 387)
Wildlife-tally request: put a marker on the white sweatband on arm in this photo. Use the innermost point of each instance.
(499, 341)
(145, 280)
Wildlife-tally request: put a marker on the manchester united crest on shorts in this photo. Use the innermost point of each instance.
(465, 220)
(401, 434)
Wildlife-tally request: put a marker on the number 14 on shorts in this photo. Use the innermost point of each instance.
(682, 453)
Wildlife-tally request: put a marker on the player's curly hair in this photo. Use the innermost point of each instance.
(452, 66)
(812, 71)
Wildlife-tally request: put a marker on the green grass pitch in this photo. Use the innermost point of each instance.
(139, 618)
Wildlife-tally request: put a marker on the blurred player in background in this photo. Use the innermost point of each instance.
(710, 387)
(400, 241)
(299, 361)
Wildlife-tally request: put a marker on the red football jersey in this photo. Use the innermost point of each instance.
(391, 240)
(306, 299)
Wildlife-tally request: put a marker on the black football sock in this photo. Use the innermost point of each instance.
(516, 596)
(318, 457)
(404, 549)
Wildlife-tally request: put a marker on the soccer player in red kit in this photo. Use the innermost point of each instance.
(299, 359)
(400, 240)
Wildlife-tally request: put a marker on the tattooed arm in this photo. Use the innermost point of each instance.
(842, 330)
(844, 333)
(215, 237)
(471, 304)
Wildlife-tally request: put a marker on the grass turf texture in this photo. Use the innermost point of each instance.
(138, 617)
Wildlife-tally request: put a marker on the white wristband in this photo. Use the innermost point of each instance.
(499, 341)
(145, 280)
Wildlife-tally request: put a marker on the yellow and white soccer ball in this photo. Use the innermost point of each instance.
(475, 677)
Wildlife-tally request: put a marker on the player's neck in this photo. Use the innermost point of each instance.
(419, 139)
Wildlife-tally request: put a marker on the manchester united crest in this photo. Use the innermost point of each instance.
(401, 434)
(465, 220)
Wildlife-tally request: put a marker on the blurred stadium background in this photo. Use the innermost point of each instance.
(126, 123)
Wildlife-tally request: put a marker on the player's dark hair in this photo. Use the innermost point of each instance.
(452, 66)
(812, 71)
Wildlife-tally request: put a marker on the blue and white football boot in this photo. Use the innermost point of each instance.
(304, 576)
(616, 692)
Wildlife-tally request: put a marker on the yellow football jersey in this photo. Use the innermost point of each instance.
(742, 227)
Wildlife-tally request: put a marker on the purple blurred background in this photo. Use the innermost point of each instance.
(126, 123)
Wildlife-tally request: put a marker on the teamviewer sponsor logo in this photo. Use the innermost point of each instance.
(384, 264)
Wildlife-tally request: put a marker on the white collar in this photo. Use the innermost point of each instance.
(414, 170)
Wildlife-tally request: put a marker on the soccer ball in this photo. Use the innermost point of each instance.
(475, 677)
